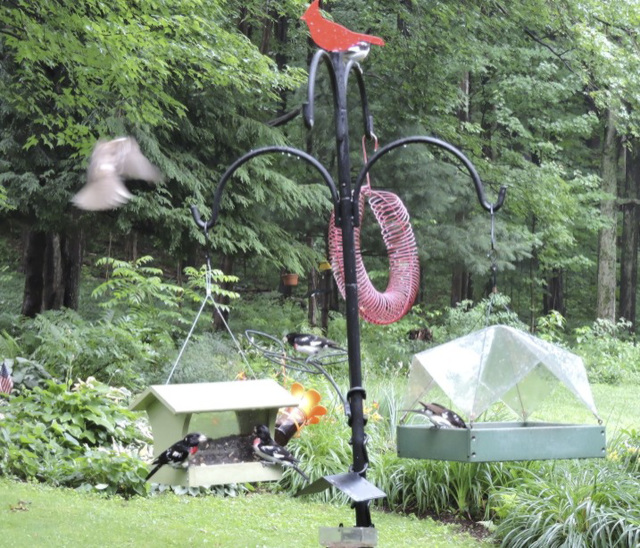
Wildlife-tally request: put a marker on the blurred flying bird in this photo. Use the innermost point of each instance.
(333, 37)
(178, 453)
(440, 416)
(111, 162)
(271, 452)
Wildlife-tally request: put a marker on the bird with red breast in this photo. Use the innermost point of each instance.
(333, 37)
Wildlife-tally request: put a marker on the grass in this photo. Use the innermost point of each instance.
(36, 515)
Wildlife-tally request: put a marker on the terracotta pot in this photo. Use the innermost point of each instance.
(290, 279)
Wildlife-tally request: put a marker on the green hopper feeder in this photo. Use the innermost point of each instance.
(226, 413)
(499, 363)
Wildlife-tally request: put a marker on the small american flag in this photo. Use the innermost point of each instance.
(6, 382)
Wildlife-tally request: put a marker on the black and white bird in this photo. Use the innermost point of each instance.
(268, 450)
(311, 344)
(111, 162)
(178, 453)
(440, 416)
(358, 52)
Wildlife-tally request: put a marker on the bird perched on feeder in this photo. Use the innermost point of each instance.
(111, 162)
(310, 344)
(333, 37)
(271, 452)
(178, 453)
(440, 416)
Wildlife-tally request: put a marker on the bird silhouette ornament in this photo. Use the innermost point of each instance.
(111, 162)
(333, 37)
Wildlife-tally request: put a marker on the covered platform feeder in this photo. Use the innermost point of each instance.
(498, 363)
(226, 413)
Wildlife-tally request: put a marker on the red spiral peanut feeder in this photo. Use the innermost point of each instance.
(404, 267)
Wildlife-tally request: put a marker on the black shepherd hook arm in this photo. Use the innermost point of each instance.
(439, 143)
(215, 209)
(308, 109)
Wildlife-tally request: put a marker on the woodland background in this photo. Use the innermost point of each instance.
(543, 97)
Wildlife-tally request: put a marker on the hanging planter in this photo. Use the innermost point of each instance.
(290, 279)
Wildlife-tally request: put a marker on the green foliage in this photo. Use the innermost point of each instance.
(610, 352)
(206, 358)
(119, 352)
(82, 437)
(570, 505)
(551, 327)
(468, 317)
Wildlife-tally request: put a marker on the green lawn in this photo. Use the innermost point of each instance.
(35, 515)
(618, 406)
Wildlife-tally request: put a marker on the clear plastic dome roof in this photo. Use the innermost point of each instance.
(498, 363)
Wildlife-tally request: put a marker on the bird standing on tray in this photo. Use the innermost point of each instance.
(178, 453)
(110, 163)
(310, 344)
(440, 416)
(269, 451)
(333, 37)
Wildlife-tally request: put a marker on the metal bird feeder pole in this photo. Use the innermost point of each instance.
(345, 201)
(356, 393)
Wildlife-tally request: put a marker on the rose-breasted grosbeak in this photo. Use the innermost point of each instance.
(178, 453)
(111, 162)
(310, 344)
(269, 451)
(440, 416)
(358, 52)
(329, 35)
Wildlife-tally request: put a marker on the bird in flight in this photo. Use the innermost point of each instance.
(111, 162)
(331, 36)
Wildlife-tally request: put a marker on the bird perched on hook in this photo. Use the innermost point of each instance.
(271, 452)
(440, 416)
(311, 344)
(331, 36)
(111, 162)
(178, 453)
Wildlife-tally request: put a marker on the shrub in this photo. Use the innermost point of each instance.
(83, 438)
(111, 351)
(610, 352)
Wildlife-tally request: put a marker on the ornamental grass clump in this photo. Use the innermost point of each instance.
(571, 503)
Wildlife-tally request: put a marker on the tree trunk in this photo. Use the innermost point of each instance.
(53, 288)
(72, 254)
(33, 267)
(553, 298)
(606, 291)
(630, 237)
(314, 296)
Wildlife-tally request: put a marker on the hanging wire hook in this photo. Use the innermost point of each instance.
(208, 280)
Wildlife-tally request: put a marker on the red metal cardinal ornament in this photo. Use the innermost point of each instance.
(333, 37)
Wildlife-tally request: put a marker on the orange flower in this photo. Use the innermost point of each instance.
(291, 419)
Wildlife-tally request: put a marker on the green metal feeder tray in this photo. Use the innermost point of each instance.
(502, 441)
(498, 364)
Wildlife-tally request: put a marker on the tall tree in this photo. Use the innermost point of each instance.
(73, 71)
